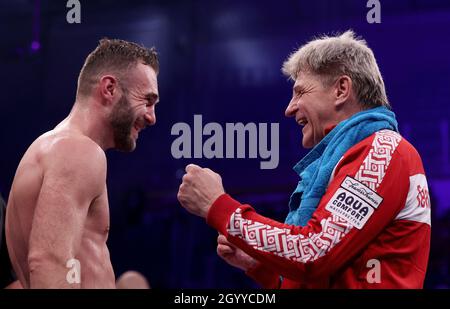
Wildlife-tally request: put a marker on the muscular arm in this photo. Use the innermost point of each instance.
(74, 175)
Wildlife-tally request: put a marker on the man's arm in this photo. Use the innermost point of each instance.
(74, 175)
(328, 241)
(336, 232)
(16, 285)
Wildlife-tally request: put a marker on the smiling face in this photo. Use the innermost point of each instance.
(313, 107)
(136, 107)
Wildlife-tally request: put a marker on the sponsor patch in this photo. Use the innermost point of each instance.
(354, 202)
(417, 207)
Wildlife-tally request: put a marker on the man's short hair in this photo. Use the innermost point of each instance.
(114, 57)
(332, 56)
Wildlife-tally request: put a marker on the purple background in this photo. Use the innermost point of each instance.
(220, 59)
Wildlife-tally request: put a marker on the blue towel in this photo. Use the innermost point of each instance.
(316, 167)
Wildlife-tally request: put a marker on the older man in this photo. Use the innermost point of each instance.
(360, 215)
(57, 219)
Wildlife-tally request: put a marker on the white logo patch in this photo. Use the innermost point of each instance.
(354, 202)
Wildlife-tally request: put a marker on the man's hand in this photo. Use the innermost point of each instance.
(199, 189)
(132, 280)
(233, 255)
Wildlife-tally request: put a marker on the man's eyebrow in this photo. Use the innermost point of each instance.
(152, 97)
(303, 88)
(298, 87)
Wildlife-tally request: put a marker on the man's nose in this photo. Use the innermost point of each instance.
(291, 109)
(150, 117)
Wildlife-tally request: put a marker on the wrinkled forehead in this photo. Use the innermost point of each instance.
(307, 78)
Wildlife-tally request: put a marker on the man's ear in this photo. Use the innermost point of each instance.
(343, 90)
(108, 88)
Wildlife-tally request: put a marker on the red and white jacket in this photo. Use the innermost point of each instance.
(371, 229)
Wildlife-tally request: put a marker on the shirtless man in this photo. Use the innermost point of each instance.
(58, 214)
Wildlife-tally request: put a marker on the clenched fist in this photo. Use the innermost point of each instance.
(199, 189)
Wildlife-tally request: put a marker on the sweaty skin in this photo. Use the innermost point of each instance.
(58, 210)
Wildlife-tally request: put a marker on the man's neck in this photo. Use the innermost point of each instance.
(346, 112)
(88, 121)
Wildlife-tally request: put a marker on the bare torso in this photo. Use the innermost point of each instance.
(92, 253)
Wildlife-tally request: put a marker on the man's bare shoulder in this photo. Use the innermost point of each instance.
(71, 151)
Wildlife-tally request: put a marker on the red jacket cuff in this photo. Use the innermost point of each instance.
(264, 276)
(220, 212)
